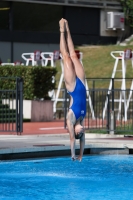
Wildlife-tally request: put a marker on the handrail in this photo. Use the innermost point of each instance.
(113, 53)
(127, 54)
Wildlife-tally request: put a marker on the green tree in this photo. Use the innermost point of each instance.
(128, 10)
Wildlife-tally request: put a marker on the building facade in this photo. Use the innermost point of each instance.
(29, 25)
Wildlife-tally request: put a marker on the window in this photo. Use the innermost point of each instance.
(4, 15)
(36, 17)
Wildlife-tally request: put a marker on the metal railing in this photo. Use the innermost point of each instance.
(11, 104)
(109, 111)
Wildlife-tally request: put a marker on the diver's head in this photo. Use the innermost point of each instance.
(79, 131)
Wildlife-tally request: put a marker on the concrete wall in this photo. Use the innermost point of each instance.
(34, 110)
(19, 48)
(27, 109)
(41, 111)
(5, 51)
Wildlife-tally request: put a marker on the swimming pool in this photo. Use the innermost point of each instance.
(108, 177)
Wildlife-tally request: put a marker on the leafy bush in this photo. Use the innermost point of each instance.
(37, 80)
(128, 11)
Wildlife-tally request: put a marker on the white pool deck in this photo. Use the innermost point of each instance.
(23, 146)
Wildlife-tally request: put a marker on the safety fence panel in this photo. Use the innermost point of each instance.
(11, 104)
(110, 113)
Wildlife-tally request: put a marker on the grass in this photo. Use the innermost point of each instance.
(98, 63)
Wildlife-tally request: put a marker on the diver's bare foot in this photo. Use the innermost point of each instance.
(79, 158)
(62, 25)
(67, 27)
(74, 158)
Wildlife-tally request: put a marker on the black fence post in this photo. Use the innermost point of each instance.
(108, 112)
(112, 122)
(21, 104)
(93, 95)
(17, 105)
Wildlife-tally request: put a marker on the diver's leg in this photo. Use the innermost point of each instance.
(69, 73)
(82, 145)
(77, 65)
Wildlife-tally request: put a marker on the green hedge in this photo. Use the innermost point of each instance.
(37, 80)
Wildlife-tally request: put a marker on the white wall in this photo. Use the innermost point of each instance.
(27, 109)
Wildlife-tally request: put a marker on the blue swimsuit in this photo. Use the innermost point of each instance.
(79, 99)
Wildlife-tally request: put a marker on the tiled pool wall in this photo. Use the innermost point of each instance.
(66, 152)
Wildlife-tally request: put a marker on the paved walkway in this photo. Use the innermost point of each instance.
(51, 139)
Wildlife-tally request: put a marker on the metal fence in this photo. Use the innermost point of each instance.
(11, 104)
(108, 110)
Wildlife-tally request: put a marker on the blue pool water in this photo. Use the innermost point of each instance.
(95, 178)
